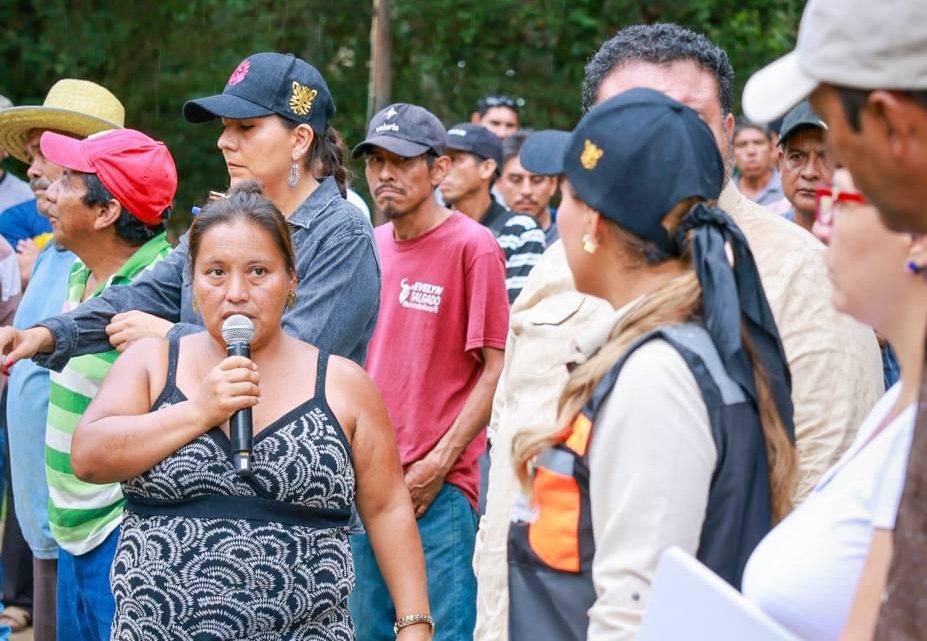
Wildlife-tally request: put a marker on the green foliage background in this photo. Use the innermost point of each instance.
(156, 54)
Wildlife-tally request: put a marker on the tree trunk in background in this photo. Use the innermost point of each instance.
(381, 49)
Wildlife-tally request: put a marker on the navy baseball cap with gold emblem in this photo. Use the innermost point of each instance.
(637, 155)
(269, 83)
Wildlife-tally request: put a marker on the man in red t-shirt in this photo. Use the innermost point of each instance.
(436, 355)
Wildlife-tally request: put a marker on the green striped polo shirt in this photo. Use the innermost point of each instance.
(81, 514)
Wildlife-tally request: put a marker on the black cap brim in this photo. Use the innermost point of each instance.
(455, 146)
(543, 152)
(222, 105)
(801, 124)
(398, 146)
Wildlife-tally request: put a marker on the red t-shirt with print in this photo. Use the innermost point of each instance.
(442, 298)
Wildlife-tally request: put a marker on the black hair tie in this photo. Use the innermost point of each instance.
(731, 294)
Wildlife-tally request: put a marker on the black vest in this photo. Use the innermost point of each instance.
(550, 552)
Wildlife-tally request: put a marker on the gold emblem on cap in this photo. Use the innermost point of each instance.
(301, 99)
(591, 155)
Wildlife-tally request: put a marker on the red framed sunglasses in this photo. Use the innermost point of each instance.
(826, 201)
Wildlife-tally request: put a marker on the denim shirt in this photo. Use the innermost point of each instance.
(337, 293)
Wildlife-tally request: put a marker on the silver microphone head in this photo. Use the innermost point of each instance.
(237, 329)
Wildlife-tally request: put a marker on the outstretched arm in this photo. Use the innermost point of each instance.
(83, 331)
(868, 599)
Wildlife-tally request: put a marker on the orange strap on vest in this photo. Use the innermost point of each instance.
(554, 534)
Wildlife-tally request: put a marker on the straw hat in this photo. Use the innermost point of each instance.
(77, 107)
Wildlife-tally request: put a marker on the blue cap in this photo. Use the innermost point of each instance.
(535, 153)
(269, 83)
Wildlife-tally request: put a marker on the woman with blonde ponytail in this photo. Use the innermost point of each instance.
(675, 427)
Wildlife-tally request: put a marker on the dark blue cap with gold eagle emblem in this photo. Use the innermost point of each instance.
(269, 83)
(637, 155)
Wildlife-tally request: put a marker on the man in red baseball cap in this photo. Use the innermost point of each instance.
(138, 172)
(108, 207)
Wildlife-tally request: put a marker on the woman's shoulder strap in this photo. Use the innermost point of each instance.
(173, 353)
(696, 348)
(170, 381)
(320, 374)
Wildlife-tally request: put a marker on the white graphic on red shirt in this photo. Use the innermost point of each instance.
(424, 297)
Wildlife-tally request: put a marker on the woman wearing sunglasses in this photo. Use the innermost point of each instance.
(821, 571)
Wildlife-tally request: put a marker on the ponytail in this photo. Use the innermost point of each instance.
(678, 301)
(327, 158)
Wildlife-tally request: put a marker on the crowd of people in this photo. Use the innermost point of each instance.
(563, 354)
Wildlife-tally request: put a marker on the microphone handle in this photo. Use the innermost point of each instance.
(241, 427)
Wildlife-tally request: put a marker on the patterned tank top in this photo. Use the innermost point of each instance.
(204, 554)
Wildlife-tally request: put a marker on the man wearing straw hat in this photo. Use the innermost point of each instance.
(15, 192)
(20, 221)
(77, 108)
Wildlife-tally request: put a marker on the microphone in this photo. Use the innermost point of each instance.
(237, 331)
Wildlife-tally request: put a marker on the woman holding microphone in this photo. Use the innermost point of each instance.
(205, 552)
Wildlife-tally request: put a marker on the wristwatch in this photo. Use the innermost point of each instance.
(413, 619)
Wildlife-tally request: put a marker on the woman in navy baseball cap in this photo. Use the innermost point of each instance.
(275, 111)
(675, 426)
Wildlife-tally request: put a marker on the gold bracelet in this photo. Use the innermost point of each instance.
(413, 619)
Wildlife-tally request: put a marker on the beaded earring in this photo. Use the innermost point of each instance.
(294, 175)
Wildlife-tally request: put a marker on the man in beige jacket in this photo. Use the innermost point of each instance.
(835, 362)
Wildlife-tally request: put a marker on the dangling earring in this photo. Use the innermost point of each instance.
(913, 267)
(294, 174)
(291, 299)
(196, 308)
(589, 245)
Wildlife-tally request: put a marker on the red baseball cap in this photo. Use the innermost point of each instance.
(137, 170)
